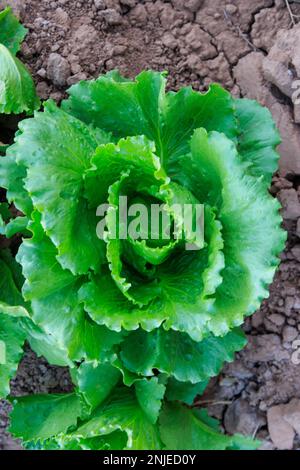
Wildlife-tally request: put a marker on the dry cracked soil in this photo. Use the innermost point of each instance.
(252, 49)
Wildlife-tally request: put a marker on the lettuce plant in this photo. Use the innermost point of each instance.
(17, 90)
(142, 326)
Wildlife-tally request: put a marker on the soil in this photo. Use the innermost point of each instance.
(252, 49)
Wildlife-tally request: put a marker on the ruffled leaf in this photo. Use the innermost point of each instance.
(135, 289)
(176, 354)
(113, 441)
(128, 108)
(122, 412)
(182, 293)
(136, 155)
(45, 345)
(17, 225)
(106, 305)
(12, 32)
(188, 110)
(17, 89)
(250, 221)
(54, 301)
(12, 338)
(258, 139)
(119, 106)
(56, 149)
(12, 177)
(11, 280)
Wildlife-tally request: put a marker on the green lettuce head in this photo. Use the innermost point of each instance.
(142, 324)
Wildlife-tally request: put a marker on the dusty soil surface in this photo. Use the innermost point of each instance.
(251, 48)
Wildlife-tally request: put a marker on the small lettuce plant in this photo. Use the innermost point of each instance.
(142, 323)
(17, 90)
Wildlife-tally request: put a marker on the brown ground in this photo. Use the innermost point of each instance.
(198, 41)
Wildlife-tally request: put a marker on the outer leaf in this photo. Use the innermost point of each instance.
(119, 106)
(251, 226)
(96, 381)
(149, 393)
(10, 280)
(45, 345)
(35, 256)
(56, 149)
(12, 178)
(37, 417)
(177, 355)
(114, 441)
(123, 413)
(258, 139)
(185, 392)
(17, 90)
(17, 225)
(60, 315)
(151, 112)
(12, 334)
(238, 442)
(133, 108)
(12, 338)
(12, 32)
(54, 300)
(13, 310)
(183, 429)
(213, 110)
(129, 378)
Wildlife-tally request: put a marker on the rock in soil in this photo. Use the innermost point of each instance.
(281, 432)
(290, 203)
(242, 418)
(58, 69)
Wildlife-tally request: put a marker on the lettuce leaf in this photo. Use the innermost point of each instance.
(17, 89)
(12, 33)
(12, 335)
(199, 431)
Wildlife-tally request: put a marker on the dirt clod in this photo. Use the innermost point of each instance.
(58, 69)
(241, 418)
(289, 333)
(265, 348)
(281, 432)
(291, 414)
(290, 203)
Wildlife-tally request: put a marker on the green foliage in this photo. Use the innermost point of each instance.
(17, 90)
(12, 335)
(143, 327)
